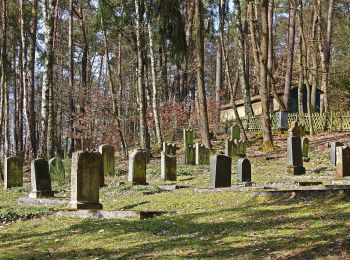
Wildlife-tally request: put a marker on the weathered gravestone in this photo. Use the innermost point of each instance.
(107, 152)
(189, 147)
(244, 170)
(220, 171)
(169, 149)
(282, 121)
(241, 148)
(137, 167)
(343, 161)
(231, 148)
(40, 179)
(13, 172)
(202, 154)
(305, 144)
(168, 167)
(294, 151)
(85, 180)
(333, 153)
(56, 168)
(235, 132)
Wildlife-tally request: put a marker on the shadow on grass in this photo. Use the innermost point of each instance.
(288, 228)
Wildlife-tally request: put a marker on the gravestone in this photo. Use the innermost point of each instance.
(168, 167)
(189, 147)
(86, 171)
(333, 153)
(305, 144)
(137, 167)
(56, 168)
(241, 148)
(220, 171)
(13, 172)
(231, 148)
(170, 149)
(244, 170)
(282, 121)
(294, 151)
(202, 154)
(235, 132)
(107, 152)
(343, 161)
(40, 179)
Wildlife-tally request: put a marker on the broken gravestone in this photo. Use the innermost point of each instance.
(220, 171)
(168, 167)
(40, 179)
(137, 167)
(13, 172)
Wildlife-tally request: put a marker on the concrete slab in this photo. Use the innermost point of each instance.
(43, 201)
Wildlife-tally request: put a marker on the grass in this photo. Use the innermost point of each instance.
(200, 226)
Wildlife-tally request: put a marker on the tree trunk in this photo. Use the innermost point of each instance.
(290, 54)
(202, 102)
(314, 54)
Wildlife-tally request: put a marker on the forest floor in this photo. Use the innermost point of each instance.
(199, 225)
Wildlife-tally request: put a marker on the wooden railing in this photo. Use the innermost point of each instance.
(335, 121)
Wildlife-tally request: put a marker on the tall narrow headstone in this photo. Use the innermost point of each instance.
(294, 151)
(202, 154)
(137, 167)
(241, 148)
(168, 167)
(305, 144)
(343, 161)
(235, 132)
(244, 170)
(220, 171)
(282, 121)
(169, 149)
(13, 172)
(189, 147)
(107, 152)
(40, 179)
(333, 153)
(231, 148)
(85, 180)
(56, 168)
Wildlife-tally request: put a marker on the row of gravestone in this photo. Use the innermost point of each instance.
(195, 154)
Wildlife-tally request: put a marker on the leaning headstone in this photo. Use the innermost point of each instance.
(220, 171)
(235, 132)
(13, 172)
(241, 148)
(231, 148)
(343, 161)
(85, 180)
(169, 149)
(305, 144)
(202, 154)
(168, 167)
(40, 179)
(244, 170)
(137, 167)
(294, 151)
(107, 152)
(282, 121)
(56, 168)
(189, 147)
(333, 156)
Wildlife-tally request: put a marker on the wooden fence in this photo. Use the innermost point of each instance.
(335, 121)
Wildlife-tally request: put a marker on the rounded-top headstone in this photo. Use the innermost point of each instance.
(244, 170)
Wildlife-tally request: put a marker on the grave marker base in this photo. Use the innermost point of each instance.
(295, 170)
(41, 194)
(85, 205)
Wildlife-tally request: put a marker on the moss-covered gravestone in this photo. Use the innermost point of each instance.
(231, 148)
(189, 147)
(137, 167)
(168, 167)
(57, 171)
(220, 171)
(40, 179)
(294, 151)
(305, 145)
(343, 161)
(235, 132)
(107, 152)
(241, 148)
(13, 172)
(202, 154)
(244, 170)
(170, 149)
(85, 180)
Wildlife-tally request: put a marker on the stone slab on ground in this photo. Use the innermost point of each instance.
(169, 187)
(302, 193)
(340, 182)
(103, 214)
(309, 177)
(42, 202)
